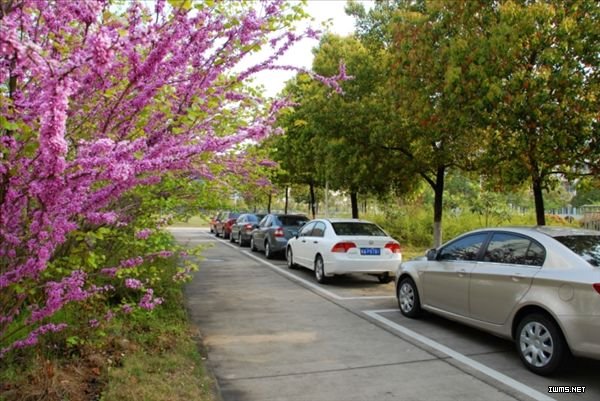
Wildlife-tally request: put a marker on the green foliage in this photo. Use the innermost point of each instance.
(588, 193)
(411, 226)
(542, 63)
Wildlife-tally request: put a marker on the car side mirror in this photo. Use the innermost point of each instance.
(431, 254)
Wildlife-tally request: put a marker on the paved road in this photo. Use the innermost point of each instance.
(275, 334)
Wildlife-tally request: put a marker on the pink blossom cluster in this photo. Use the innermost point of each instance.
(149, 301)
(143, 234)
(96, 101)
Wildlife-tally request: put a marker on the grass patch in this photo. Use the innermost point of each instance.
(146, 355)
(176, 374)
(165, 364)
(194, 221)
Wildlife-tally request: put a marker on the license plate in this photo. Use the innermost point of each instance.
(370, 251)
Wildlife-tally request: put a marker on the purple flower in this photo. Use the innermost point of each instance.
(143, 234)
(133, 283)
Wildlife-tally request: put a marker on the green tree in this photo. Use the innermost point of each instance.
(295, 151)
(543, 105)
(349, 158)
(433, 83)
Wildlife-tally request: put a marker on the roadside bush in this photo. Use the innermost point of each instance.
(412, 226)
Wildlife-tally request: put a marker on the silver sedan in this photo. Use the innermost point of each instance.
(538, 286)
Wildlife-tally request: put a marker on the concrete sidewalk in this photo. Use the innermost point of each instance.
(269, 338)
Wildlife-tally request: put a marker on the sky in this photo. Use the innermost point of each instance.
(300, 55)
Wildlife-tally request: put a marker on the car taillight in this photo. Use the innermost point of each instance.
(597, 287)
(279, 232)
(393, 246)
(248, 226)
(343, 247)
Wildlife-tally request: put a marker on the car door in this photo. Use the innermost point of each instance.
(446, 279)
(504, 276)
(300, 246)
(236, 226)
(259, 234)
(314, 243)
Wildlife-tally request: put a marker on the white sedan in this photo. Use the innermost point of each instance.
(342, 246)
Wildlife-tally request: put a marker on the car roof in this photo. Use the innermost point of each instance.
(347, 220)
(551, 231)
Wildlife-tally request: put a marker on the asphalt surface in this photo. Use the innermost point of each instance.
(275, 334)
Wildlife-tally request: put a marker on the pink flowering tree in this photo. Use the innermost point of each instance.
(102, 107)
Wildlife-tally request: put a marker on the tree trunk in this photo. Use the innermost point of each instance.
(312, 200)
(538, 197)
(269, 203)
(354, 203)
(285, 209)
(438, 189)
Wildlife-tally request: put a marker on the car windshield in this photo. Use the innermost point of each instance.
(586, 246)
(358, 228)
(292, 220)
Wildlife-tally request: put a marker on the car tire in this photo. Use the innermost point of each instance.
(252, 246)
(289, 257)
(541, 345)
(231, 238)
(268, 252)
(320, 270)
(240, 240)
(226, 235)
(408, 298)
(384, 278)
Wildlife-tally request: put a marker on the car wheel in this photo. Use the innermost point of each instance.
(408, 298)
(239, 239)
(231, 238)
(320, 270)
(540, 344)
(289, 257)
(268, 252)
(384, 278)
(226, 235)
(252, 246)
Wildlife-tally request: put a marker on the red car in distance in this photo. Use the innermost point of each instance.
(223, 223)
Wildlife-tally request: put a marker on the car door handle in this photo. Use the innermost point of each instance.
(315, 242)
(517, 276)
(462, 273)
(303, 240)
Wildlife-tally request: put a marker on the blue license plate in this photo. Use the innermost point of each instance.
(370, 251)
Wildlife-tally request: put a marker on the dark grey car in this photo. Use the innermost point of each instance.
(274, 231)
(241, 231)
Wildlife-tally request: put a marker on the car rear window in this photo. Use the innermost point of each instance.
(350, 228)
(586, 246)
(234, 215)
(292, 220)
(255, 217)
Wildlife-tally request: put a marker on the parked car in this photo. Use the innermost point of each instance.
(341, 246)
(241, 230)
(274, 231)
(213, 222)
(224, 222)
(537, 286)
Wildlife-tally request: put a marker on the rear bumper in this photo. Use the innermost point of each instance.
(345, 265)
(582, 335)
(279, 244)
